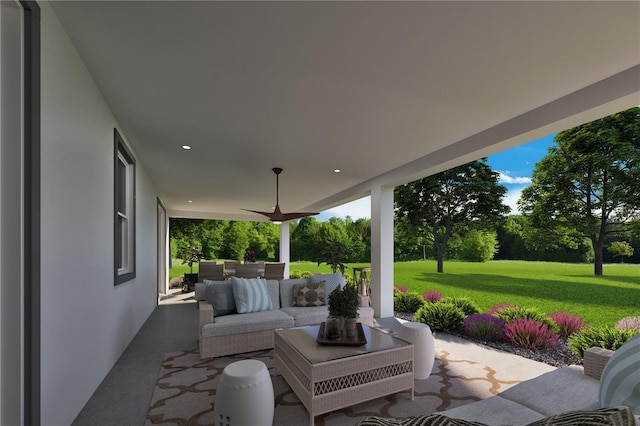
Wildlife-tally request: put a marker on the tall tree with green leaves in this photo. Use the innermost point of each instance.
(588, 185)
(620, 248)
(466, 196)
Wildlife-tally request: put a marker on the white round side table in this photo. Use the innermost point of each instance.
(424, 351)
(244, 395)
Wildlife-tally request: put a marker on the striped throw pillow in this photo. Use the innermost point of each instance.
(620, 381)
(251, 295)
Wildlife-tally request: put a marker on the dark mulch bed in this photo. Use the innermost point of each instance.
(559, 356)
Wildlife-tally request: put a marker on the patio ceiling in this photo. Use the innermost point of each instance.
(385, 91)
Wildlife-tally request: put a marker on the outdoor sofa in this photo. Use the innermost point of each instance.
(606, 391)
(222, 331)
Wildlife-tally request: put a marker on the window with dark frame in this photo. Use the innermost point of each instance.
(124, 212)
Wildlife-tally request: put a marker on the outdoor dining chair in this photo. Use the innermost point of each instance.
(274, 271)
(210, 271)
(247, 270)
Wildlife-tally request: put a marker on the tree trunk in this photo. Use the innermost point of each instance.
(597, 254)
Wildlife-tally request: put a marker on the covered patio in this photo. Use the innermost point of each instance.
(159, 380)
(385, 92)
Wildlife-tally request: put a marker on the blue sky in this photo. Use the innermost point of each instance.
(515, 166)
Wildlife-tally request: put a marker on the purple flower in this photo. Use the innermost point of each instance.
(484, 327)
(629, 323)
(568, 324)
(432, 296)
(530, 334)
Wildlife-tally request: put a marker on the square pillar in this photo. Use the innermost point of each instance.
(285, 247)
(382, 251)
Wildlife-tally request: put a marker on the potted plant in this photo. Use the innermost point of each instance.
(335, 254)
(190, 253)
(249, 256)
(344, 303)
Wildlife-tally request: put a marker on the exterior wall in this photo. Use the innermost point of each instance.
(86, 321)
(11, 184)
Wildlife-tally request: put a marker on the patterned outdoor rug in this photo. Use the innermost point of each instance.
(186, 387)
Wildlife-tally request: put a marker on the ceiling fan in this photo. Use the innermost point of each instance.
(277, 216)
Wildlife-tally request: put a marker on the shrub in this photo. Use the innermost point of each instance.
(511, 314)
(599, 337)
(567, 324)
(432, 296)
(400, 289)
(296, 273)
(175, 282)
(466, 305)
(407, 302)
(500, 306)
(629, 323)
(484, 327)
(530, 334)
(441, 316)
(478, 246)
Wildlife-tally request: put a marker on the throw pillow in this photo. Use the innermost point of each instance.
(332, 281)
(618, 416)
(251, 295)
(620, 380)
(220, 295)
(309, 294)
(425, 420)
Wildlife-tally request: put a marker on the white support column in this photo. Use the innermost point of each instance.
(285, 252)
(382, 251)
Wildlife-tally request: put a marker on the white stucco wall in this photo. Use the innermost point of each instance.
(87, 322)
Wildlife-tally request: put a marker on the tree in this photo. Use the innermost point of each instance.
(620, 248)
(588, 185)
(467, 196)
(478, 246)
(336, 248)
(237, 239)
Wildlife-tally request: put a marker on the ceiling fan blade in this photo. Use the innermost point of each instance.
(268, 214)
(291, 216)
(277, 215)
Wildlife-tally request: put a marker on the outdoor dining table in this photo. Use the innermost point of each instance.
(232, 272)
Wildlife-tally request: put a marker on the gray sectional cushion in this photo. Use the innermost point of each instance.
(495, 411)
(307, 315)
(332, 281)
(541, 394)
(246, 323)
(273, 287)
(220, 295)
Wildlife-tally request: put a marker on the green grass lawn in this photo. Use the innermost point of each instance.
(546, 286)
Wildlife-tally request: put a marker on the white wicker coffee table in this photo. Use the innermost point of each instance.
(327, 378)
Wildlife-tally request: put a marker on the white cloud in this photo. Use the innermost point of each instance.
(518, 180)
(511, 200)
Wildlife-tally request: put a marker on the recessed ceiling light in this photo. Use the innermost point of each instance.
(336, 170)
(189, 201)
(186, 147)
